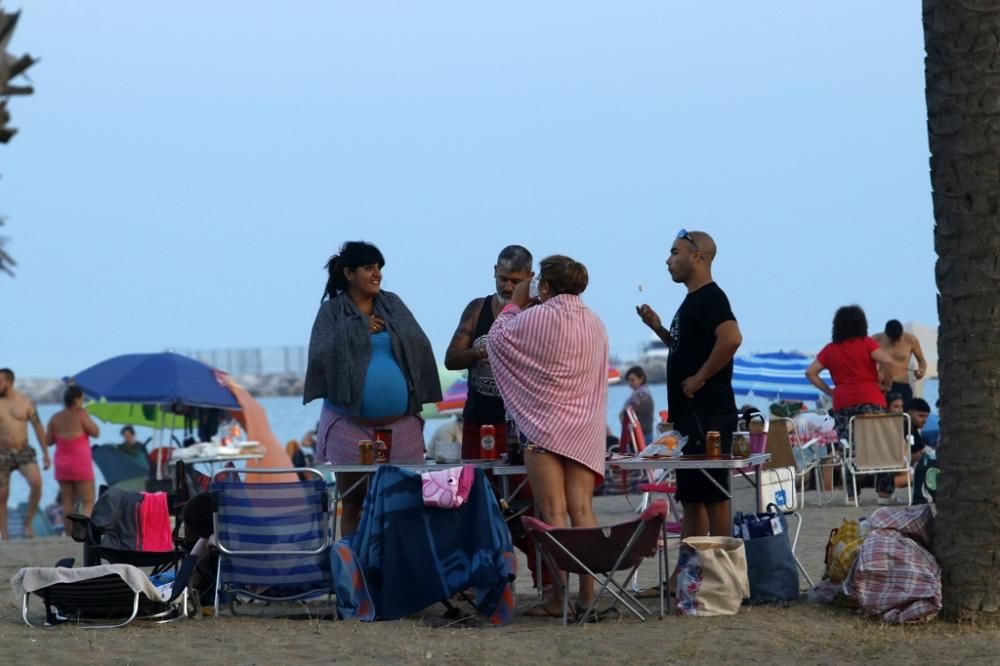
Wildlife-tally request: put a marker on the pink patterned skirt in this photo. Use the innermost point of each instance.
(338, 436)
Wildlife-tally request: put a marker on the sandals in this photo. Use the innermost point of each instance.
(575, 612)
(609, 613)
(539, 610)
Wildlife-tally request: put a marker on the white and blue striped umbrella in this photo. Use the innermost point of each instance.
(775, 376)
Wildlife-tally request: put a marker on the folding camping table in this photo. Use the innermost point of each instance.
(703, 463)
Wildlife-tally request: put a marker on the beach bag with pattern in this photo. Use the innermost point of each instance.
(711, 576)
(895, 576)
(842, 549)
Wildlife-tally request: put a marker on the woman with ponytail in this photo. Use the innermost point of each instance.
(550, 362)
(372, 365)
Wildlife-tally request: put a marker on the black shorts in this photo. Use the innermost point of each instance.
(904, 390)
(693, 486)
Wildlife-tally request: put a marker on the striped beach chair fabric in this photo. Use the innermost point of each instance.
(273, 538)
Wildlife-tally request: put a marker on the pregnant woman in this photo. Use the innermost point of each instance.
(372, 365)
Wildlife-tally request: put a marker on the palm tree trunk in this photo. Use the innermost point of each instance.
(963, 122)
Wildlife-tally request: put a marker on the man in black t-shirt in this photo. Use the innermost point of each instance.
(703, 337)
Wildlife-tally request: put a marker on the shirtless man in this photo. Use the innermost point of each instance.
(901, 346)
(16, 410)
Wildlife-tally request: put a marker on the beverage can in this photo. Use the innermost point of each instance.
(383, 445)
(741, 445)
(713, 444)
(366, 453)
(488, 442)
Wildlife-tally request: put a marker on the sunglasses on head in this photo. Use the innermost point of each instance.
(683, 233)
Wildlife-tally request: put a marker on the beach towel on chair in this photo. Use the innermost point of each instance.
(413, 556)
(353, 600)
(115, 514)
(153, 520)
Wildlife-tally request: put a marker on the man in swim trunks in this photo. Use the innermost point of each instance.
(901, 346)
(16, 410)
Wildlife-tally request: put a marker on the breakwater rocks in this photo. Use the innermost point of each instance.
(46, 391)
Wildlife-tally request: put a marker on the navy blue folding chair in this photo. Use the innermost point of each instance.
(273, 538)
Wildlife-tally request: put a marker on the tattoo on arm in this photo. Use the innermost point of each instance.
(460, 332)
(465, 326)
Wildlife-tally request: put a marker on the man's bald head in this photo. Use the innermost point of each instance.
(706, 245)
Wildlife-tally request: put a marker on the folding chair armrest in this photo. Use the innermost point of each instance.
(83, 530)
(183, 578)
(809, 444)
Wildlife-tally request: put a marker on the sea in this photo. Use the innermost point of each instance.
(290, 419)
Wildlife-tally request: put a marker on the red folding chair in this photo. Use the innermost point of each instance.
(600, 552)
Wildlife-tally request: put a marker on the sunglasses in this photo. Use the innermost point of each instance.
(683, 233)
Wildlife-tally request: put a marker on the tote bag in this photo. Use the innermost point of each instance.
(711, 576)
(771, 567)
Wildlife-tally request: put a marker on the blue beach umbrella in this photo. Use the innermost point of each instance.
(775, 376)
(156, 379)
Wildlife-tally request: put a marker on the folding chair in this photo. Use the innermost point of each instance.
(601, 551)
(632, 442)
(116, 592)
(807, 460)
(778, 478)
(658, 481)
(877, 444)
(106, 535)
(413, 556)
(273, 538)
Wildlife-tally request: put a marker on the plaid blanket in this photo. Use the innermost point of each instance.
(895, 576)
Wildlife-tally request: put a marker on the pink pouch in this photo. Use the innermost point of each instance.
(447, 488)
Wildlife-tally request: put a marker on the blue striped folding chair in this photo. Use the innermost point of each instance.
(273, 538)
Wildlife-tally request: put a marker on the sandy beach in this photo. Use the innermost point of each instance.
(801, 633)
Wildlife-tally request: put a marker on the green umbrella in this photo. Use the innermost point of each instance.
(126, 413)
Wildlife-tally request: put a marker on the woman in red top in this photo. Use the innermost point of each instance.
(853, 360)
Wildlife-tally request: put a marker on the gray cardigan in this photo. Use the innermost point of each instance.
(340, 349)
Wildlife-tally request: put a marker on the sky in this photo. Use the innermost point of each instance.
(184, 170)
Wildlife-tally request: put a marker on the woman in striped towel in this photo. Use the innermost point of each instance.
(549, 357)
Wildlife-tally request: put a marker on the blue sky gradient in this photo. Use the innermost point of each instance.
(184, 170)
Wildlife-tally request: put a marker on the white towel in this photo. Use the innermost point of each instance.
(31, 579)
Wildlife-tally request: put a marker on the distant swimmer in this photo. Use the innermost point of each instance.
(901, 346)
(16, 410)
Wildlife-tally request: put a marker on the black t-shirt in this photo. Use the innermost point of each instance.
(692, 337)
